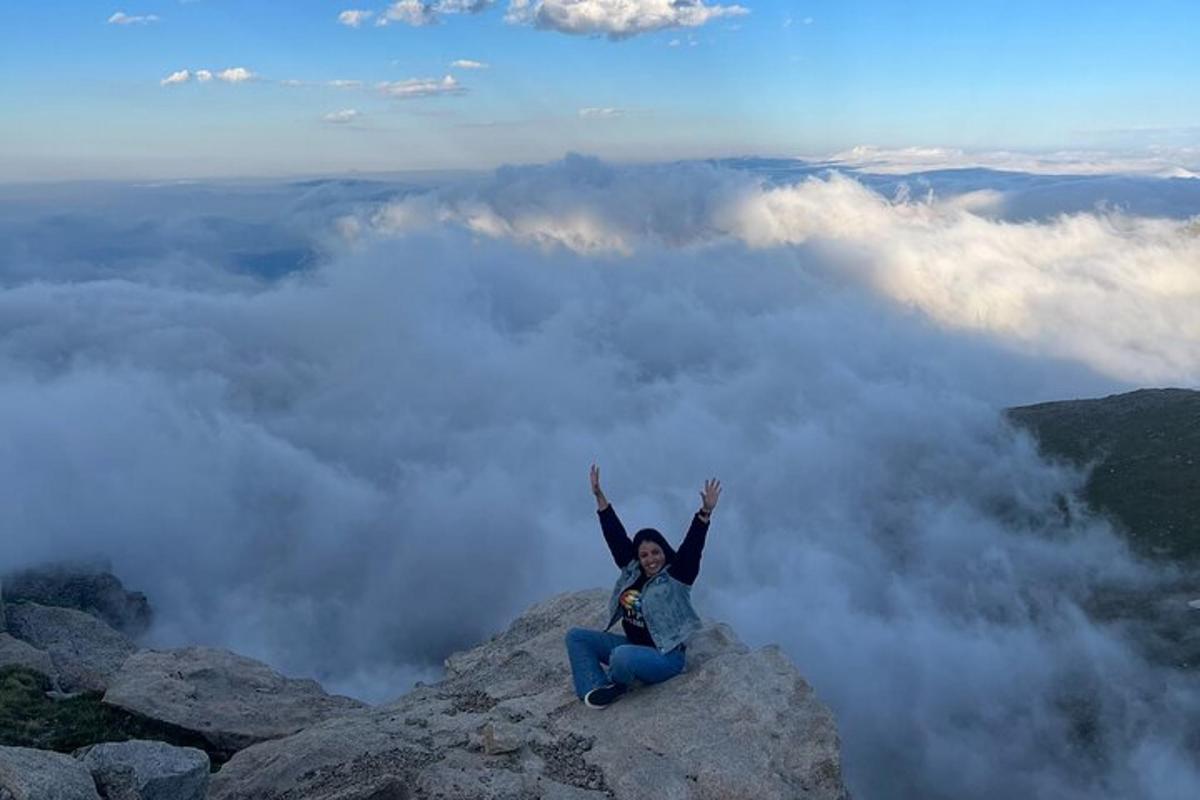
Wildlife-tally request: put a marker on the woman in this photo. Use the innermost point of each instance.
(652, 598)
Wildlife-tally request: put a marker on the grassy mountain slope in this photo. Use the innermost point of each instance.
(1144, 452)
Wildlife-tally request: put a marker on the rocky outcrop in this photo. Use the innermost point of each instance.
(230, 701)
(90, 588)
(505, 723)
(84, 650)
(27, 774)
(143, 770)
(15, 653)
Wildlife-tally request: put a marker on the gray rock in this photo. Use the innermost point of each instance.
(84, 650)
(145, 770)
(15, 653)
(229, 700)
(27, 774)
(505, 723)
(87, 587)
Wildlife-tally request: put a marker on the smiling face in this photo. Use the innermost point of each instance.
(651, 557)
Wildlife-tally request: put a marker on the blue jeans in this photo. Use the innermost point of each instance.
(587, 650)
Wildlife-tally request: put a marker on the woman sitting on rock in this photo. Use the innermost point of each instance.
(652, 598)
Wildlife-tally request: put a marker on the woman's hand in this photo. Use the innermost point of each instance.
(710, 495)
(601, 500)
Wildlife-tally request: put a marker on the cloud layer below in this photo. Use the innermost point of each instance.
(1106, 289)
(354, 466)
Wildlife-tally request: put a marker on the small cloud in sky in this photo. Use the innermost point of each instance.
(420, 12)
(616, 19)
(421, 87)
(231, 75)
(181, 76)
(342, 117)
(121, 18)
(462, 6)
(673, 43)
(466, 63)
(235, 75)
(338, 83)
(601, 113)
(410, 12)
(352, 18)
(807, 20)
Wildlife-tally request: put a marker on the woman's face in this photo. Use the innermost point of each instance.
(652, 558)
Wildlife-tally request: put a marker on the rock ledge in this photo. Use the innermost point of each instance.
(737, 725)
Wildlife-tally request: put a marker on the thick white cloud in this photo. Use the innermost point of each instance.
(204, 75)
(342, 117)
(121, 18)
(1075, 287)
(466, 63)
(353, 18)
(421, 87)
(617, 19)
(286, 462)
(235, 75)
(180, 76)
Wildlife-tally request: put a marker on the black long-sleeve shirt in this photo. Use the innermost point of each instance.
(685, 567)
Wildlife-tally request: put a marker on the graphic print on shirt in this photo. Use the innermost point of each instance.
(631, 607)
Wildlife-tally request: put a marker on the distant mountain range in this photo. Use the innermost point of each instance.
(1143, 450)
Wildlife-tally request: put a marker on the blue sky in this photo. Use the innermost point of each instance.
(84, 95)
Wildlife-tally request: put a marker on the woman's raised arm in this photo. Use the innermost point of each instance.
(686, 566)
(618, 541)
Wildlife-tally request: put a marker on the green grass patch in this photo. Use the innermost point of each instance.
(29, 718)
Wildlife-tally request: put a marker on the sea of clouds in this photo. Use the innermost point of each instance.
(345, 427)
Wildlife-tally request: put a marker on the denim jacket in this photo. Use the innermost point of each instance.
(667, 597)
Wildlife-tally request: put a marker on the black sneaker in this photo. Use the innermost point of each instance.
(604, 695)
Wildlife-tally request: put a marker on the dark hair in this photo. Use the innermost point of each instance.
(652, 535)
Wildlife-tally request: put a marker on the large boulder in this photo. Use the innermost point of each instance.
(90, 588)
(230, 701)
(145, 770)
(15, 653)
(505, 723)
(84, 650)
(27, 774)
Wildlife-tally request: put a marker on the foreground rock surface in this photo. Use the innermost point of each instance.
(84, 650)
(143, 770)
(90, 588)
(737, 725)
(27, 774)
(229, 700)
